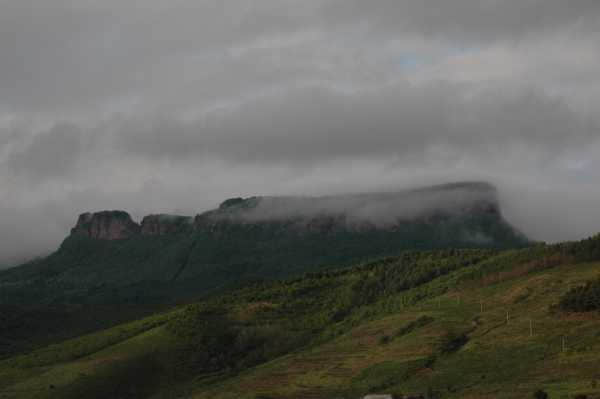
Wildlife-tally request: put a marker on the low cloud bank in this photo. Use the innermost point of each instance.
(379, 209)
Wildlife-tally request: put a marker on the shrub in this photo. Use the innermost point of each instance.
(540, 394)
(452, 341)
(413, 325)
(585, 298)
(384, 339)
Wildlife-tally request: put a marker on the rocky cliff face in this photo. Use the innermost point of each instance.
(458, 202)
(106, 225)
(157, 225)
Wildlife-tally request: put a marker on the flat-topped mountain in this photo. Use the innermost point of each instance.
(108, 257)
(360, 212)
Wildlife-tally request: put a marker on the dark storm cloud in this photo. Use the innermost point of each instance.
(171, 106)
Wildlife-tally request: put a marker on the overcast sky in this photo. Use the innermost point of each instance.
(172, 106)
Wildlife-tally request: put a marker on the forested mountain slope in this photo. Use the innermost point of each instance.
(110, 259)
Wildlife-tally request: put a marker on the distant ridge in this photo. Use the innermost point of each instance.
(110, 258)
(374, 211)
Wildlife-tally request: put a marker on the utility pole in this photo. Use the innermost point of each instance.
(507, 317)
(530, 328)
(481, 305)
(564, 343)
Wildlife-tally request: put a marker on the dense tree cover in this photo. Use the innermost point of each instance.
(517, 262)
(584, 250)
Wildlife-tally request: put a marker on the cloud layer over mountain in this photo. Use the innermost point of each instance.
(172, 106)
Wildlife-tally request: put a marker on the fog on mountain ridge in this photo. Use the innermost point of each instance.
(379, 209)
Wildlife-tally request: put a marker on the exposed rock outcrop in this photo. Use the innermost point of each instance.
(106, 225)
(469, 204)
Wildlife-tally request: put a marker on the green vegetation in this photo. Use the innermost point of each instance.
(90, 284)
(24, 328)
(585, 298)
(386, 375)
(451, 324)
(452, 341)
(413, 325)
(194, 263)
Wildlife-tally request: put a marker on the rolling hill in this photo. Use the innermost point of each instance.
(472, 323)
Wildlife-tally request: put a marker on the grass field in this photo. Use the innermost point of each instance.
(500, 360)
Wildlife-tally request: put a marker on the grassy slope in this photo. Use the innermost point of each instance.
(500, 360)
(26, 328)
(351, 357)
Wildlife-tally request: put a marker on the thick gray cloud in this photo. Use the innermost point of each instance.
(467, 20)
(171, 106)
(50, 154)
(315, 124)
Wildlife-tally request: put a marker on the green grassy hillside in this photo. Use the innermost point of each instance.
(24, 328)
(449, 324)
